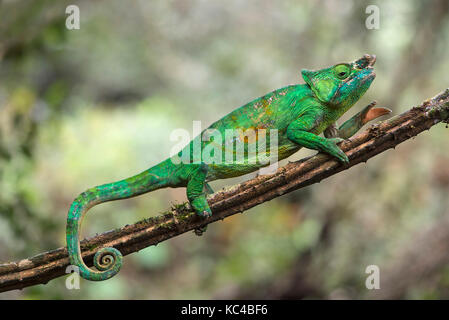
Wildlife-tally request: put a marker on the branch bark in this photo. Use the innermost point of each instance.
(179, 219)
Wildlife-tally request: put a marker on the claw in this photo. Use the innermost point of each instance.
(335, 150)
(337, 140)
(207, 214)
(200, 231)
(344, 159)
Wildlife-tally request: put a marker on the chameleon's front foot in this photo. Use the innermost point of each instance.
(356, 122)
(349, 128)
(370, 112)
(334, 150)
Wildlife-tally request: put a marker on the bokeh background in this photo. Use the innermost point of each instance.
(79, 108)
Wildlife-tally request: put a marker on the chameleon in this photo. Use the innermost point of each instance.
(298, 113)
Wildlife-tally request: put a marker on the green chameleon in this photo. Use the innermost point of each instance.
(297, 113)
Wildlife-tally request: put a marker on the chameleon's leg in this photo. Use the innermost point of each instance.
(208, 189)
(351, 126)
(331, 131)
(312, 141)
(196, 195)
(301, 132)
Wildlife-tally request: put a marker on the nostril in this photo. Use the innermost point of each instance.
(371, 60)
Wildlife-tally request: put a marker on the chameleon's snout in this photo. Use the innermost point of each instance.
(371, 60)
(365, 64)
(366, 61)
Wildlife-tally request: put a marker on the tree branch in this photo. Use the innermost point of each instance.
(179, 219)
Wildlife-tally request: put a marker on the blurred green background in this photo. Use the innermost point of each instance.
(79, 108)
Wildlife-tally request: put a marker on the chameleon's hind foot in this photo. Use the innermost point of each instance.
(202, 209)
(197, 189)
(200, 231)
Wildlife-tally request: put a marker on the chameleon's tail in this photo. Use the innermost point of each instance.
(109, 260)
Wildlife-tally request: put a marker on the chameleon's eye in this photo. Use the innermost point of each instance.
(342, 71)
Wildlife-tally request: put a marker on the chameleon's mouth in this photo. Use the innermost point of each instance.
(371, 60)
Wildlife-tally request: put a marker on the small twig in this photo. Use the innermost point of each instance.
(376, 139)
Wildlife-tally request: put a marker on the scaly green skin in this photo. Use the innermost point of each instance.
(299, 113)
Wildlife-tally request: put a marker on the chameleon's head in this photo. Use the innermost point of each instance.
(342, 84)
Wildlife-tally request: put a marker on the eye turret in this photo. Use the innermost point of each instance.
(342, 71)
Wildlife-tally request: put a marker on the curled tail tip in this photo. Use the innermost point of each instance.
(107, 260)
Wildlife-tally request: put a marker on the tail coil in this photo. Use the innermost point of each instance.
(107, 260)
